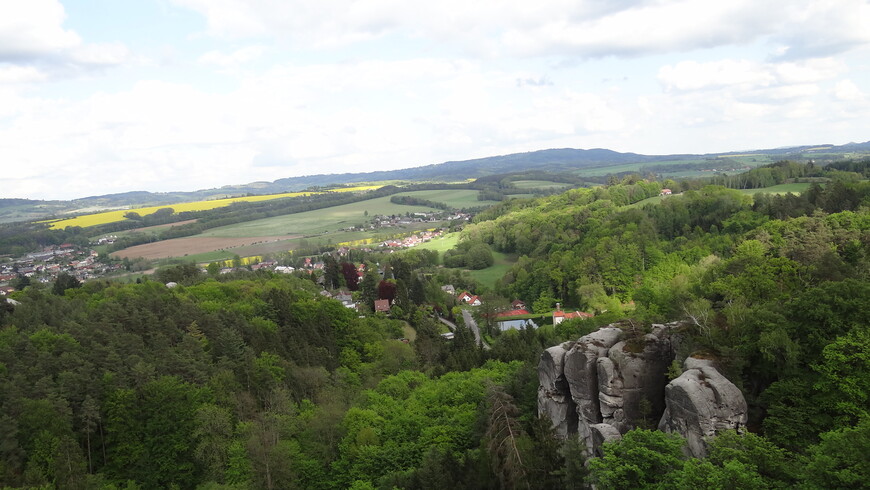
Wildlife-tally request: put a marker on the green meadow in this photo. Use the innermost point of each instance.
(455, 198)
(318, 221)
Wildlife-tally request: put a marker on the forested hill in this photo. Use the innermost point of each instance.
(257, 380)
(552, 160)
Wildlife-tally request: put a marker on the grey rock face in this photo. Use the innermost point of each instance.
(614, 383)
(581, 369)
(602, 433)
(701, 402)
(603, 385)
(634, 376)
(554, 397)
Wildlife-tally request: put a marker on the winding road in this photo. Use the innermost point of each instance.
(470, 323)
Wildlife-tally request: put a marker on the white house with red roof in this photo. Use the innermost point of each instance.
(560, 316)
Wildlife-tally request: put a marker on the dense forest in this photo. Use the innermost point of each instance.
(256, 380)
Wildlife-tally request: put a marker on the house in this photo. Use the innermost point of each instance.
(518, 304)
(382, 305)
(346, 298)
(463, 297)
(665, 192)
(474, 301)
(559, 316)
(513, 313)
(448, 288)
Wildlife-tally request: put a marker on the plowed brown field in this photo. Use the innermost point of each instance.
(179, 247)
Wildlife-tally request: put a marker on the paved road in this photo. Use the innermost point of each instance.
(450, 325)
(470, 323)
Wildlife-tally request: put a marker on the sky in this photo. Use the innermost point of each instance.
(108, 96)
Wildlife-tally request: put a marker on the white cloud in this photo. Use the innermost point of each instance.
(105, 54)
(232, 59)
(13, 74)
(693, 75)
(34, 29)
(794, 29)
(339, 117)
(35, 43)
(847, 91)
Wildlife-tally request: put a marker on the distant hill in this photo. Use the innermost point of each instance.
(553, 160)
(562, 160)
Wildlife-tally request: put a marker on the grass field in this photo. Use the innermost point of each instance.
(283, 233)
(317, 221)
(441, 244)
(539, 184)
(776, 189)
(490, 275)
(455, 198)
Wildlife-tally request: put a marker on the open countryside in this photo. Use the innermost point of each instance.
(119, 215)
(182, 247)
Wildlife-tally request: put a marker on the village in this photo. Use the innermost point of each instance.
(47, 264)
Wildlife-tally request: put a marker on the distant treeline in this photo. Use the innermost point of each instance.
(416, 201)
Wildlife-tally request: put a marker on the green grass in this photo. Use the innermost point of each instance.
(776, 189)
(455, 198)
(316, 222)
(493, 273)
(441, 244)
(409, 332)
(539, 184)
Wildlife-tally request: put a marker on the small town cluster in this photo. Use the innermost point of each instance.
(47, 264)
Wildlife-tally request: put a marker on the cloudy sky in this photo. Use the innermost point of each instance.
(105, 96)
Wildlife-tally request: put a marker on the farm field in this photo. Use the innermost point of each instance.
(118, 215)
(180, 247)
(455, 198)
(145, 228)
(539, 184)
(317, 221)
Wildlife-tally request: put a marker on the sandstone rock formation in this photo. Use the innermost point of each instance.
(610, 381)
(700, 403)
(615, 382)
(554, 397)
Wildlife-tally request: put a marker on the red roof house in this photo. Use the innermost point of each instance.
(382, 305)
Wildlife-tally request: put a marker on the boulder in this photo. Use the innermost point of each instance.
(701, 402)
(602, 433)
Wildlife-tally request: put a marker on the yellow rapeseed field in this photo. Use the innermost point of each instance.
(118, 215)
(358, 188)
(254, 259)
(113, 216)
